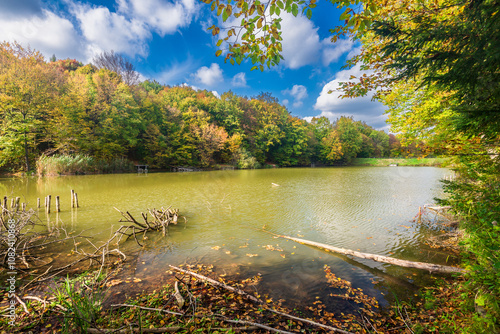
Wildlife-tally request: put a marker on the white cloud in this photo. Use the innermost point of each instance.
(298, 92)
(332, 106)
(301, 45)
(47, 33)
(105, 30)
(161, 16)
(216, 94)
(239, 80)
(333, 51)
(209, 76)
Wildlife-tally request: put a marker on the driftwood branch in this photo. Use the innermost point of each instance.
(148, 309)
(172, 329)
(243, 322)
(258, 301)
(380, 258)
(219, 284)
(220, 317)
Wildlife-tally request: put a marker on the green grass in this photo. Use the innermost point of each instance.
(380, 162)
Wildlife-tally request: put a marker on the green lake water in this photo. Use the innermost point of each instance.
(362, 208)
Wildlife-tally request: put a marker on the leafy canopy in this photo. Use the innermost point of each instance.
(252, 29)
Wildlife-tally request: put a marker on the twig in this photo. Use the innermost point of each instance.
(336, 330)
(243, 322)
(45, 302)
(22, 304)
(148, 309)
(172, 329)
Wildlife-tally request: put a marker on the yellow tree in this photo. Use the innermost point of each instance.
(28, 90)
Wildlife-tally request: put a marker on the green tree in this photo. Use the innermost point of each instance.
(349, 137)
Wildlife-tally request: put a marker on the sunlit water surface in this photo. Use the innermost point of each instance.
(362, 208)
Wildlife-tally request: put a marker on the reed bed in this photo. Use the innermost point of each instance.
(80, 164)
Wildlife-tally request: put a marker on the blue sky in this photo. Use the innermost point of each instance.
(167, 40)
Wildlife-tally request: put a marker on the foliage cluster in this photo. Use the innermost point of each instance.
(475, 198)
(75, 118)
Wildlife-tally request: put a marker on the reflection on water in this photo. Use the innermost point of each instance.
(362, 208)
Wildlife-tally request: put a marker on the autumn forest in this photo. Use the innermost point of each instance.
(64, 108)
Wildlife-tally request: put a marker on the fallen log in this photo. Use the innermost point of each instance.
(379, 258)
(258, 301)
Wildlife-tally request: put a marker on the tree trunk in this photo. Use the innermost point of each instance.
(379, 258)
(26, 155)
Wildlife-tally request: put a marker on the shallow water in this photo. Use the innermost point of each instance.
(363, 208)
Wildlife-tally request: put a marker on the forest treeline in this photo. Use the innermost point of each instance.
(63, 108)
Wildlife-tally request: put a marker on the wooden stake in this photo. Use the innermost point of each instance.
(72, 198)
(23, 206)
(12, 203)
(4, 205)
(38, 203)
(76, 201)
(16, 205)
(48, 203)
(58, 206)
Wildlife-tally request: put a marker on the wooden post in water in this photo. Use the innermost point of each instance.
(48, 204)
(76, 201)
(58, 206)
(38, 203)
(72, 198)
(17, 203)
(23, 206)
(12, 203)
(4, 205)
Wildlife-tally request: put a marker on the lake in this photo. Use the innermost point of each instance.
(371, 209)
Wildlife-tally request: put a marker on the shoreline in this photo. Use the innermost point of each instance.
(368, 162)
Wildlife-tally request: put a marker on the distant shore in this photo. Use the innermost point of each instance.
(384, 162)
